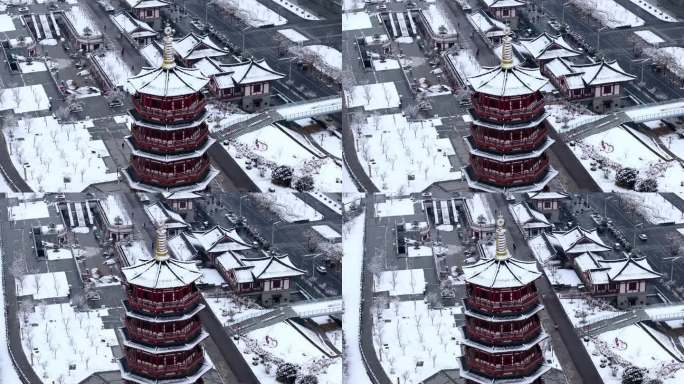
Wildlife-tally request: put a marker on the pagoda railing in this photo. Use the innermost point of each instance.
(155, 306)
(490, 369)
(189, 332)
(156, 145)
(502, 115)
(169, 115)
(496, 337)
(154, 370)
(151, 176)
(491, 306)
(487, 142)
(530, 175)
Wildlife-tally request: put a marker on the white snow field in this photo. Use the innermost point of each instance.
(297, 10)
(327, 60)
(352, 266)
(655, 208)
(581, 311)
(609, 13)
(620, 148)
(40, 286)
(409, 332)
(27, 210)
(285, 341)
(62, 338)
(563, 117)
(289, 207)
(386, 64)
(273, 146)
(355, 20)
(30, 98)
(33, 67)
(634, 345)
(673, 57)
(228, 310)
(675, 143)
(400, 282)
(373, 96)
(6, 23)
(7, 372)
(402, 156)
(395, 207)
(293, 35)
(326, 232)
(650, 37)
(654, 10)
(252, 12)
(57, 157)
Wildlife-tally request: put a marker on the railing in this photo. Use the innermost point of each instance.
(169, 146)
(148, 369)
(484, 141)
(480, 334)
(508, 370)
(518, 305)
(153, 306)
(155, 338)
(508, 116)
(531, 175)
(169, 115)
(170, 179)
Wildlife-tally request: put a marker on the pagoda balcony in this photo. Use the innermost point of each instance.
(508, 115)
(530, 175)
(488, 336)
(154, 306)
(500, 371)
(168, 115)
(167, 179)
(507, 307)
(165, 371)
(145, 336)
(163, 146)
(501, 145)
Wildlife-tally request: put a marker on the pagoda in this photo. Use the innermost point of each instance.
(169, 134)
(502, 327)
(508, 138)
(162, 330)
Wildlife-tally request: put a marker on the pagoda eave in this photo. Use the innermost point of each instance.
(509, 126)
(206, 366)
(137, 120)
(505, 349)
(199, 152)
(162, 319)
(162, 349)
(472, 376)
(490, 188)
(501, 317)
(538, 152)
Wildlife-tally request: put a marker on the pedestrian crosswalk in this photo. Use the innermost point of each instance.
(77, 214)
(441, 211)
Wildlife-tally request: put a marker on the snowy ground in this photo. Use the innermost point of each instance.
(581, 311)
(329, 141)
(326, 232)
(27, 210)
(609, 13)
(43, 285)
(655, 208)
(293, 35)
(565, 116)
(352, 264)
(386, 64)
(633, 345)
(675, 143)
(32, 67)
(650, 37)
(402, 156)
(373, 96)
(408, 333)
(650, 7)
(7, 372)
(327, 60)
(6, 23)
(230, 310)
(400, 282)
(355, 20)
(30, 98)
(57, 157)
(55, 337)
(252, 12)
(284, 342)
(289, 207)
(619, 148)
(395, 207)
(672, 57)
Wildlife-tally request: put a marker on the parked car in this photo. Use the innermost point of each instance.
(321, 269)
(643, 237)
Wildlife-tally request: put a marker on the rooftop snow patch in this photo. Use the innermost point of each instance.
(356, 20)
(27, 210)
(327, 232)
(6, 23)
(395, 207)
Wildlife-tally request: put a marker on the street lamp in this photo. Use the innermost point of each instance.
(563, 17)
(242, 53)
(642, 62)
(241, 197)
(634, 236)
(605, 212)
(672, 261)
(273, 232)
(598, 38)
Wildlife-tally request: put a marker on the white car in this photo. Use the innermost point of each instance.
(643, 237)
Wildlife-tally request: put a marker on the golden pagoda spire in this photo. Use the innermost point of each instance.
(501, 247)
(161, 251)
(169, 60)
(507, 49)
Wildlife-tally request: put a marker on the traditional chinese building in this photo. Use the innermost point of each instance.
(502, 328)
(159, 214)
(508, 138)
(147, 10)
(169, 134)
(248, 82)
(84, 30)
(188, 50)
(530, 222)
(138, 32)
(209, 245)
(544, 48)
(487, 26)
(437, 28)
(505, 10)
(600, 84)
(568, 245)
(548, 203)
(162, 331)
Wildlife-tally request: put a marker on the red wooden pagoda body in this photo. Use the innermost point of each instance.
(508, 138)
(162, 330)
(169, 134)
(502, 327)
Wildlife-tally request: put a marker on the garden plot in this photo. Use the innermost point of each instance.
(414, 342)
(395, 207)
(609, 13)
(373, 96)
(288, 206)
(59, 254)
(386, 64)
(654, 10)
(400, 282)
(28, 210)
(231, 310)
(329, 141)
(418, 251)
(402, 156)
(252, 12)
(582, 311)
(655, 208)
(284, 343)
(58, 157)
(65, 346)
(41, 286)
(30, 98)
(633, 346)
(618, 148)
(356, 20)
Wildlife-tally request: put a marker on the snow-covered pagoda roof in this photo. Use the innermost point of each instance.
(168, 79)
(236, 74)
(162, 271)
(527, 217)
(547, 195)
(504, 3)
(578, 240)
(501, 270)
(547, 46)
(602, 271)
(508, 79)
(193, 46)
(247, 270)
(132, 26)
(159, 214)
(603, 72)
(218, 240)
(139, 4)
(181, 195)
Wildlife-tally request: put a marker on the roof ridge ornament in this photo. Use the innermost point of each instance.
(161, 251)
(169, 61)
(501, 247)
(507, 49)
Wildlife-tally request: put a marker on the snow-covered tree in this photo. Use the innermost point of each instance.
(646, 185)
(626, 177)
(633, 375)
(304, 184)
(287, 373)
(282, 175)
(307, 379)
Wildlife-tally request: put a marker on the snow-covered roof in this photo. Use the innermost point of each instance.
(114, 210)
(579, 240)
(218, 240)
(132, 26)
(559, 67)
(263, 268)
(180, 248)
(134, 252)
(152, 54)
(478, 209)
(508, 79)
(504, 3)
(438, 19)
(628, 269)
(547, 195)
(168, 79)
(603, 72)
(547, 46)
(138, 4)
(489, 26)
(160, 215)
(82, 22)
(236, 74)
(527, 217)
(501, 270)
(193, 46)
(587, 262)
